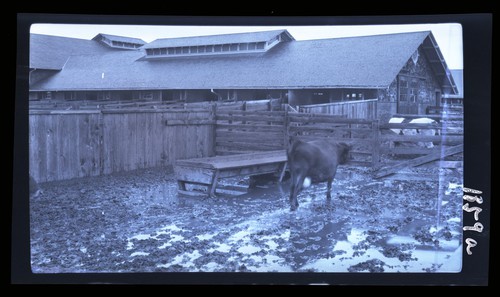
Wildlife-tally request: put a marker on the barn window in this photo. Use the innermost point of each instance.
(185, 49)
(156, 51)
(251, 46)
(243, 47)
(163, 51)
(260, 45)
(178, 50)
(193, 49)
(234, 47)
(415, 56)
(201, 49)
(210, 48)
(171, 51)
(217, 48)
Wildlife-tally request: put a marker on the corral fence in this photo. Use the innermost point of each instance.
(65, 144)
(245, 132)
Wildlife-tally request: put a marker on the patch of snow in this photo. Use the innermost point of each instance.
(451, 188)
(222, 247)
(249, 249)
(139, 254)
(239, 235)
(455, 219)
(184, 260)
(205, 236)
(211, 266)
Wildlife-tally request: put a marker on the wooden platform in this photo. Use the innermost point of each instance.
(208, 171)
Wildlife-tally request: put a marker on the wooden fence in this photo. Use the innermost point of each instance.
(245, 132)
(249, 131)
(360, 109)
(71, 144)
(65, 144)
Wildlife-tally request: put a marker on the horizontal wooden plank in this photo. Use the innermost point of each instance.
(251, 113)
(194, 122)
(434, 117)
(355, 141)
(226, 152)
(250, 127)
(253, 118)
(216, 159)
(63, 112)
(410, 126)
(193, 174)
(251, 170)
(313, 128)
(248, 146)
(339, 103)
(167, 111)
(242, 135)
(415, 150)
(422, 138)
(302, 118)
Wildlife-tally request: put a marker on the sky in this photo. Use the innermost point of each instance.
(447, 35)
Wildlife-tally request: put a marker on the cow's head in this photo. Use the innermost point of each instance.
(343, 150)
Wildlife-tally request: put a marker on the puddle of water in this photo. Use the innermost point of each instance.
(307, 239)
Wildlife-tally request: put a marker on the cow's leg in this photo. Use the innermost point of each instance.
(329, 189)
(297, 182)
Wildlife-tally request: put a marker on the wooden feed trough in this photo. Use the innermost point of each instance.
(208, 171)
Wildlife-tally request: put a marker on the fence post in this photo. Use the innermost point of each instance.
(286, 136)
(101, 143)
(375, 144)
(213, 115)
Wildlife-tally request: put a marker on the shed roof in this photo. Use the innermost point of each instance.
(354, 62)
(216, 39)
(120, 38)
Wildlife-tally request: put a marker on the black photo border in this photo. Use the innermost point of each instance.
(477, 49)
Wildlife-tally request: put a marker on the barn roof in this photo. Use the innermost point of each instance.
(52, 52)
(354, 62)
(216, 39)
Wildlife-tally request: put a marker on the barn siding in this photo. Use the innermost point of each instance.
(426, 93)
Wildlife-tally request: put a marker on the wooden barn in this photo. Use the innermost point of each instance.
(405, 72)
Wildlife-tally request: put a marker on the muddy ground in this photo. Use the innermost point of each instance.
(136, 222)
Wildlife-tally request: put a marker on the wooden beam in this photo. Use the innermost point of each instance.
(419, 161)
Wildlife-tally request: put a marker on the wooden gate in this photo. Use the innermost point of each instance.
(402, 151)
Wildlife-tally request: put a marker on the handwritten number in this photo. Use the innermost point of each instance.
(477, 227)
(470, 198)
(470, 244)
(468, 190)
(474, 209)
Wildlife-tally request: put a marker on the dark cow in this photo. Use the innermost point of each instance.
(315, 161)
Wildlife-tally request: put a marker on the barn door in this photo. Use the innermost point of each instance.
(408, 94)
